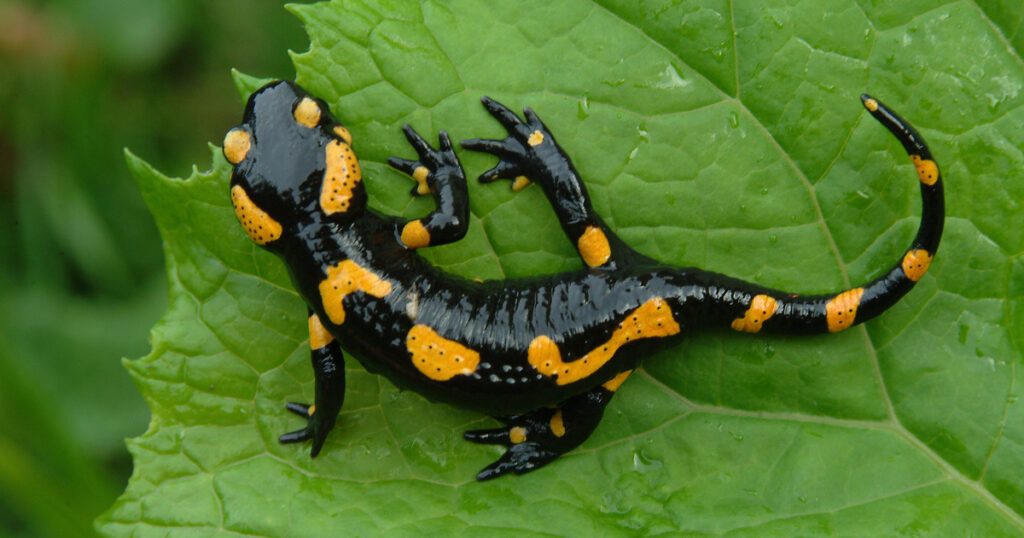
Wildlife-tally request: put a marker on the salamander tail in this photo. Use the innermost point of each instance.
(749, 309)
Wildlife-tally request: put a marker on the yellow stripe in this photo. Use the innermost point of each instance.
(614, 383)
(927, 170)
(258, 224)
(438, 357)
(415, 234)
(762, 308)
(653, 319)
(594, 247)
(557, 425)
(340, 179)
(318, 334)
(915, 263)
(345, 278)
(841, 311)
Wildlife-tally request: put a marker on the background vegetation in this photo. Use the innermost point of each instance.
(81, 269)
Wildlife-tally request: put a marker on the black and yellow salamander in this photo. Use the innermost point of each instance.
(544, 355)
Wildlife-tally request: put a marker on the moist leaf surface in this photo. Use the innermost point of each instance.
(724, 135)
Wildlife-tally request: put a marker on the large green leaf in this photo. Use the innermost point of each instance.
(721, 134)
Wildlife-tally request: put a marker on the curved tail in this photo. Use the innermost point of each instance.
(749, 309)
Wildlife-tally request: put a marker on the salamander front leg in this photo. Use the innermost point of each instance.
(438, 172)
(540, 436)
(329, 374)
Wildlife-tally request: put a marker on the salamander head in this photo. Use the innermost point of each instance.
(293, 162)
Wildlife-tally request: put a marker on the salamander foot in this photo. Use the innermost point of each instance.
(317, 427)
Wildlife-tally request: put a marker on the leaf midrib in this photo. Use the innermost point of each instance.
(999, 31)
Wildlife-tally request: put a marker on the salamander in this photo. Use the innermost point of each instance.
(543, 355)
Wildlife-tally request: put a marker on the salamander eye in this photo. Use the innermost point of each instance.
(236, 145)
(307, 112)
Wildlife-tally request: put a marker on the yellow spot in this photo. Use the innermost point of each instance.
(236, 145)
(841, 311)
(594, 247)
(536, 138)
(517, 435)
(927, 170)
(345, 278)
(318, 334)
(653, 319)
(437, 357)
(340, 179)
(557, 425)
(415, 234)
(420, 175)
(311, 410)
(762, 307)
(520, 183)
(259, 226)
(871, 105)
(915, 263)
(614, 383)
(343, 134)
(307, 113)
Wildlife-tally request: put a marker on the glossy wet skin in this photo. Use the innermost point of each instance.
(285, 163)
(547, 353)
(497, 319)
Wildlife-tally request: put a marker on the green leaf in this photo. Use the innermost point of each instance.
(246, 84)
(721, 134)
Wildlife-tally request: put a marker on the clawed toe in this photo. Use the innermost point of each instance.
(317, 427)
(529, 441)
(431, 163)
(498, 436)
(487, 145)
(300, 409)
(509, 152)
(504, 116)
(403, 165)
(416, 171)
(296, 436)
(518, 459)
(503, 170)
(421, 146)
(518, 155)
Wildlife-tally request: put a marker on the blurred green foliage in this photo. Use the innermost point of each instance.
(81, 268)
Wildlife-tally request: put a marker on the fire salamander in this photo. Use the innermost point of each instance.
(543, 355)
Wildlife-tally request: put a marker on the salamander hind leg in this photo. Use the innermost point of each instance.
(530, 154)
(541, 436)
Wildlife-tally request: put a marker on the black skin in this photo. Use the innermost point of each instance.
(283, 173)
